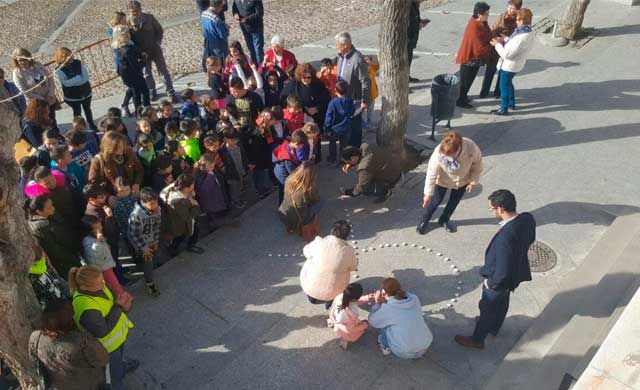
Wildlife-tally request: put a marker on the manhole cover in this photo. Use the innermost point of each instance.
(541, 257)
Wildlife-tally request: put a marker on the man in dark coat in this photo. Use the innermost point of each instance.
(506, 264)
(147, 34)
(354, 71)
(377, 169)
(250, 14)
(413, 31)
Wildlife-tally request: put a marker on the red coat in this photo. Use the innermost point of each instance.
(288, 59)
(294, 121)
(475, 42)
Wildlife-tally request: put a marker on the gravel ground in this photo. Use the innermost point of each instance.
(91, 23)
(39, 15)
(302, 21)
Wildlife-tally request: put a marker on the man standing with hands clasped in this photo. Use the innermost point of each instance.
(506, 264)
(353, 69)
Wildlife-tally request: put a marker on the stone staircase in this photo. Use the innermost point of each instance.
(557, 348)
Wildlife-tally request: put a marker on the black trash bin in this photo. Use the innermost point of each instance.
(445, 90)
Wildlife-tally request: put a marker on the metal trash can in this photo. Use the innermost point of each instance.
(445, 90)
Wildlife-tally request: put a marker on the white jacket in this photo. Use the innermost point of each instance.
(514, 53)
(407, 333)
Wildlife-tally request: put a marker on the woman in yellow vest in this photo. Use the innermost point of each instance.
(96, 311)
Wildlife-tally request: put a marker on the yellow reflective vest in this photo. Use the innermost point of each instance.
(118, 335)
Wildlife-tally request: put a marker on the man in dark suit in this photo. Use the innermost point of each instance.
(250, 14)
(506, 264)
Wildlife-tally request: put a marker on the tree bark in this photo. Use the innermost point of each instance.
(571, 23)
(394, 73)
(19, 309)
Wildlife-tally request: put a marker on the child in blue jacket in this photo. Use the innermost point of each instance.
(337, 121)
(285, 159)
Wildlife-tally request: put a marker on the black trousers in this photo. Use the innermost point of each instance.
(83, 105)
(489, 72)
(327, 304)
(191, 241)
(493, 305)
(438, 196)
(410, 49)
(467, 76)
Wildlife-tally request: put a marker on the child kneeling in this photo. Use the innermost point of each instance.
(343, 315)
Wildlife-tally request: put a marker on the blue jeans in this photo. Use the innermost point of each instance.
(507, 92)
(255, 44)
(262, 181)
(382, 337)
(368, 115)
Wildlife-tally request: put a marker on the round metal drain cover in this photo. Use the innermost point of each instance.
(541, 257)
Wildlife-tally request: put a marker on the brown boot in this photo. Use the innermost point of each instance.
(468, 342)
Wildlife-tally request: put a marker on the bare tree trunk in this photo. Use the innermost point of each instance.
(394, 76)
(571, 23)
(19, 309)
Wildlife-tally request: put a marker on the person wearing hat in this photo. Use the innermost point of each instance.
(96, 311)
(147, 34)
(378, 171)
(278, 56)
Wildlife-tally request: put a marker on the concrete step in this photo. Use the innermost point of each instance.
(577, 318)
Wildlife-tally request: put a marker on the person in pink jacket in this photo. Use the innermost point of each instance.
(330, 261)
(344, 317)
(44, 181)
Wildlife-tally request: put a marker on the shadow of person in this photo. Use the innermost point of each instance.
(571, 213)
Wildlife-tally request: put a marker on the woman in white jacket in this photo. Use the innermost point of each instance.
(513, 53)
(398, 315)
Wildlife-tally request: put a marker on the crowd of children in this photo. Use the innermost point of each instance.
(181, 167)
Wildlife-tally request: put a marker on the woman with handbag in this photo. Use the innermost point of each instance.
(66, 358)
(34, 81)
(300, 206)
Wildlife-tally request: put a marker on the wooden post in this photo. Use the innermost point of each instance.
(394, 73)
(571, 23)
(19, 309)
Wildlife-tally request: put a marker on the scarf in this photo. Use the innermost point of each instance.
(449, 164)
(521, 30)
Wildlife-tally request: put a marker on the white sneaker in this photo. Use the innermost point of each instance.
(329, 323)
(385, 351)
(344, 344)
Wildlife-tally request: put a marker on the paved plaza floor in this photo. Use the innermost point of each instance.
(236, 318)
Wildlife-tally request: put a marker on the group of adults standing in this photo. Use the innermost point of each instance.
(504, 46)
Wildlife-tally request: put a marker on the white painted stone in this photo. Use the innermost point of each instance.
(422, 247)
(279, 255)
(458, 288)
(449, 305)
(447, 259)
(459, 281)
(270, 255)
(356, 276)
(381, 245)
(404, 244)
(396, 245)
(428, 249)
(354, 242)
(414, 245)
(454, 300)
(286, 255)
(439, 254)
(365, 250)
(457, 295)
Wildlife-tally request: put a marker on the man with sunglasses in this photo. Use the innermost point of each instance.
(506, 264)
